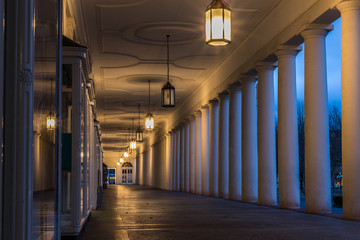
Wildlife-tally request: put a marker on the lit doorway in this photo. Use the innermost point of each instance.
(126, 173)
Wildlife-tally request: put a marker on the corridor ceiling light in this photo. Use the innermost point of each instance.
(50, 118)
(149, 118)
(50, 121)
(139, 133)
(168, 91)
(218, 23)
(133, 144)
(133, 140)
(126, 154)
(118, 163)
(121, 160)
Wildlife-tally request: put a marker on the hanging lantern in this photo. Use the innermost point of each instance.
(126, 154)
(218, 23)
(139, 135)
(149, 118)
(118, 163)
(168, 91)
(121, 160)
(149, 122)
(133, 144)
(50, 121)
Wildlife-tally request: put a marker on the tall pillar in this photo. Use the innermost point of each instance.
(350, 106)
(317, 149)
(187, 155)
(267, 189)
(178, 158)
(18, 120)
(168, 161)
(249, 155)
(182, 154)
(288, 147)
(197, 115)
(223, 145)
(172, 159)
(192, 154)
(235, 141)
(205, 150)
(213, 146)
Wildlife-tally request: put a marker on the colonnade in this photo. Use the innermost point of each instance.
(227, 147)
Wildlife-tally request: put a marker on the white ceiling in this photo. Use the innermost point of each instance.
(127, 42)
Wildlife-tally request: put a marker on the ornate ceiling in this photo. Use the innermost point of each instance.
(127, 43)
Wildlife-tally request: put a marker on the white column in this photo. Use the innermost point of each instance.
(223, 145)
(172, 155)
(235, 141)
(18, 121)
(213, 146)
(350, 107)
(249, 155)
(288, 147)
(205, 150)
(317, 149)
(168, 161)
(174, 170)
(187, 155)
(197, 115)
(182, 155)
(192, 154)
(178, 158)
(267, 189)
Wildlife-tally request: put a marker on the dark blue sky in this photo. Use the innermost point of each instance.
(333, 61)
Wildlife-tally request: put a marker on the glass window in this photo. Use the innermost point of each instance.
(1, 105)
(66, 151)
(44, 95)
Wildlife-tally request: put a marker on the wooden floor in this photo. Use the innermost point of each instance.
(137, 212)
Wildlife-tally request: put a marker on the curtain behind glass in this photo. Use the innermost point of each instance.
(46, 36)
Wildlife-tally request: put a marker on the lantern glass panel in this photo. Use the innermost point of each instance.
(133, 144)
(50, 122)
(227, 25)
(208, 25)
(149, 122)
(217, 24)
(139, 135)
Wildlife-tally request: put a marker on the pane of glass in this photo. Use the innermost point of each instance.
(1, 106)
(227, 25)
(44, 107)
(217, 24)
(83, 172)
(66, 152)
(208, 29)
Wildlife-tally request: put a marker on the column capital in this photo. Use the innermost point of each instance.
(348, 5)
(190, 117)
(263, 66)
(197, 113)
(235, 86)
(248, 78)
(204, 107)
(213, 101)
(186, 120)
(316, 30)
(223, 95)
(287, 50)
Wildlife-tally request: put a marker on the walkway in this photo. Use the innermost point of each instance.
(136, 212)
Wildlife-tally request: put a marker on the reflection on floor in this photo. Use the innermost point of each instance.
(43, 215)
(136, 212)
